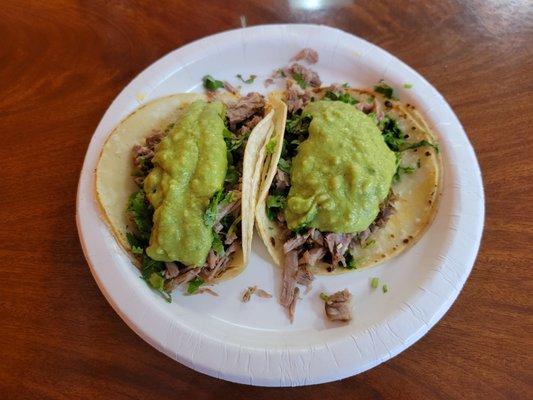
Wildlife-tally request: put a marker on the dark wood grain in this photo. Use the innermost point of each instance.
(62, 63)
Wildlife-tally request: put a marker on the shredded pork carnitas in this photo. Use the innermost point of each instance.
(338, 306)
(254, 290)
(248, 111)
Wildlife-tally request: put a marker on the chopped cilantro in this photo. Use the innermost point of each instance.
(385, 288)
(141, 214)
(211, 213)
(374, 283)
(298, 124)
(324, 296)
(234, 143)
(248, 81)
(351, 261)
(219, 197)
(282, 73)
(402, 170)
(299, 80)
(408, 146)
(344, 97)
(408, 85)
(194, 285)
(284, 165)
(156, 281)
(345, 85)
(271, 145)
(152, 272)
(232, 175)
(217, 244)
(274, 204)
(135, 242)
(211, 83)
(392, 133)
(385, 90)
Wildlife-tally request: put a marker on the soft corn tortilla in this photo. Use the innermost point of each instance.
(418, 193)
(114, 181)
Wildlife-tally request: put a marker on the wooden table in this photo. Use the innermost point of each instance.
(61, 65)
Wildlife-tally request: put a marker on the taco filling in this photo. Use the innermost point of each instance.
(185, 217)
(335, 180)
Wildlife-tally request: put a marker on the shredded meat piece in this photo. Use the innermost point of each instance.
(336, 88)
(185, 276)
(154, 139)
(230, 88)
(249, 125)
(210, 273)
(295, 242)
(365, 107)
(244, 108)
(363, 236)
(230, 238)
(263, 294)
(207, 290)
(296, 97)
(142, 155)
(268, 82)
(226, 209)
(309, 76)
(211, 259)
(338, 244)
(254, 290)
(292, 304)
(338, 307)
(247, 295)
(290, 269)
(307, 54)
(386, 210)
(304, 276)
(171, 270)
(312, 256)
(282, 179)
(315, 236)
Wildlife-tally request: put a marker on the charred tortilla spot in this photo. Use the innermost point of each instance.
(406, 241)
(391, 235)
(273, 241)
(428, 153)
(413, 128)
(383, 256)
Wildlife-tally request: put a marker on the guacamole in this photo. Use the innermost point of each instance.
(341, 173)
(189, 167)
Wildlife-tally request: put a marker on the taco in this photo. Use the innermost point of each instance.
(352, 179)
(177, 185)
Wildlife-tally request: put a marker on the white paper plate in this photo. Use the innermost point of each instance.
(254, 343)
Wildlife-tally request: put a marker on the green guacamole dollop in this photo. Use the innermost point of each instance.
(190, 164)
(341, 173)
